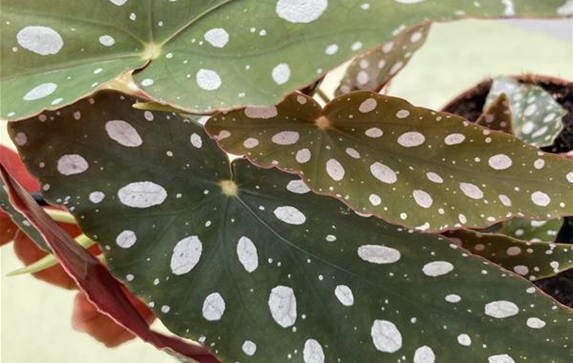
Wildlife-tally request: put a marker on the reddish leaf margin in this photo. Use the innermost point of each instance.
(101, 288)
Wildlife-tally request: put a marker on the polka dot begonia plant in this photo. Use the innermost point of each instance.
(250, 263)
(186, 139)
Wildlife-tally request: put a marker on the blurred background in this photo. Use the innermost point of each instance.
(35, 317)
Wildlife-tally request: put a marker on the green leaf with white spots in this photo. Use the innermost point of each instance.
(202, 55)
(373, 70)
(251, 264)
(537, 117)
(408, 165)
(498, 115)
(19, 220)
(532, 231)
(533, 261)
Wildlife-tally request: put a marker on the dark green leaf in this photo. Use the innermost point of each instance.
(203, 54)
(409, 165)
(532, 260)
(373, 70)
(259, 270)
(497, 115)
(537, 117)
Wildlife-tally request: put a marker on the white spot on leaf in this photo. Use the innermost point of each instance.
(40, 40)
(437, 268)
(282, 304)
(247, 253)
(344, 295)
(386, 336)
(123, 133)
(383, 173)
(312, 352)
(290, 215)
(126, 239)
(217, 37)
(501, 309)
(378, 254)
(41, 91)
(208, 80)
(286, 138)
(301, 11)
(72, 164)
(142, 194)
(213, 307)
(335, 170)
(186, 255)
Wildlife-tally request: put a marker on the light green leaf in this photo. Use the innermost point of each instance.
(409, 165)
(371, 71)
(20, 221)
(497, 115)
(532, 231)
(249, 263)
(531, 260)
(537, 117)
(202, 55)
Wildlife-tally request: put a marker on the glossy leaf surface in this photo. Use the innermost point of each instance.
(409, 165)
(531, 260)
(537, 117)
(254, 266)
(203, 54)
(373, 70)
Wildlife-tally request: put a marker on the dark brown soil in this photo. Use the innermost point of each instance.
(470, 105)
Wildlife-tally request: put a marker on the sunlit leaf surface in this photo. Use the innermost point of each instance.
(409, 165)
(203, 54)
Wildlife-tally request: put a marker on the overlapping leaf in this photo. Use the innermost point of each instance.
(250, 263)
(409, 165)
(532, 231)
(19, 220)
(202, 54)
(104, 291)
(373, 70)
(537, 117)
(497, 115)
(532, 260)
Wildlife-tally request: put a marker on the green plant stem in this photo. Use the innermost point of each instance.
(50, 260)
(322, 95)
(60, 216)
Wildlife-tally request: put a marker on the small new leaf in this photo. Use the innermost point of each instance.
(498, 116)
(537, 117)
(409, 165)
(373, 70)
